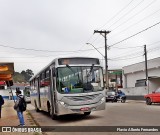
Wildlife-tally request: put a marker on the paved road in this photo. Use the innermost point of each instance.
(116, 114)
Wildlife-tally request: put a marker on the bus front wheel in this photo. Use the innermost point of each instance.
(51, 112)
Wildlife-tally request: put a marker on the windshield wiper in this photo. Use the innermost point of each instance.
(90, 70)
(70, 68)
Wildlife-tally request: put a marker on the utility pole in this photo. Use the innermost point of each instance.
(146, 68)
(106, 59)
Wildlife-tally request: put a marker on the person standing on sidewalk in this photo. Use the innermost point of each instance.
(17, 107)
(1, 103)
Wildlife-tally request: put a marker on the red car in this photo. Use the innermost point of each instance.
(154, 97)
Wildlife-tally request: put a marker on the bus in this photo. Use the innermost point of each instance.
(68, 86)
(26, 93)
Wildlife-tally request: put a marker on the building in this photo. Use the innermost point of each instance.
(115, 78)
(134, 78)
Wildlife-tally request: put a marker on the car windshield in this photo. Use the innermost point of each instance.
(111, 93)
(79, 79)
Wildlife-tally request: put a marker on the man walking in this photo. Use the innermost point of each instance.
(17, 107)
(1, 103)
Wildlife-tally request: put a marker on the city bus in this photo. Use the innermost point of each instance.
(26, 94)
(69, 85)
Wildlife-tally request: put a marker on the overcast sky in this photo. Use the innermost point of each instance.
(63, 27)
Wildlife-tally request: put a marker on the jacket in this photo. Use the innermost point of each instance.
(16, 106)
(1, 100)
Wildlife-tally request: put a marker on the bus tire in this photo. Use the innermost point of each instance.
(36, 108)
(51, 112)
(87, 113)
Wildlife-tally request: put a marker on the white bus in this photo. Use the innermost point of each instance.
(69, 85)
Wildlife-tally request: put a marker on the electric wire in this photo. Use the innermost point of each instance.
(135, 23)
(134, 15)
(126, 14)
(134, 34)
(116, 14)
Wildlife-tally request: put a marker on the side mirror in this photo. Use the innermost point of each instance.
(153, 91)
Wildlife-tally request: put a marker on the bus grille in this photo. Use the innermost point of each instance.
(83, 98)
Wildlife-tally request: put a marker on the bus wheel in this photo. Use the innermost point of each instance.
(51, 112)
(36, 108)
(87, 113)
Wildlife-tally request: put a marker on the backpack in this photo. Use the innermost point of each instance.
(22, 104)
(1, 100)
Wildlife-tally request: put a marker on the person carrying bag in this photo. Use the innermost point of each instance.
(1, 103)
(20, 107)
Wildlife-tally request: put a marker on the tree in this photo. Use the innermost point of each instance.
(17, 77)
(24, 76)
(29, 74)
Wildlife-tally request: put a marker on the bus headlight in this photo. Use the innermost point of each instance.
(102, 99)
(62, 103)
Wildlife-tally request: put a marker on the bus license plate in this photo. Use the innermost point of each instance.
(85, 109)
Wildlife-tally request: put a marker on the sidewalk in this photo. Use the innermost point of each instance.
(9, 118)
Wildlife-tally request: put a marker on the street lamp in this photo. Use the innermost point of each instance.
(96, 49)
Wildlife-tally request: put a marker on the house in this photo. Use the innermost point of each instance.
(135, 83)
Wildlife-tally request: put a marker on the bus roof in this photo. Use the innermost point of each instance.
(67, 60)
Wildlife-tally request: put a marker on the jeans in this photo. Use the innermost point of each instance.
(20, 117)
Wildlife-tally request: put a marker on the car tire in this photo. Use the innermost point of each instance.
(123, 101)
(148, 101)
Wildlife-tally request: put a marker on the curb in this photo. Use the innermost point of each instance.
(35, 122)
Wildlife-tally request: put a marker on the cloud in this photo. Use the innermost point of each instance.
(68, 25)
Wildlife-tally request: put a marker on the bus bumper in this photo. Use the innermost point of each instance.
(66, 109)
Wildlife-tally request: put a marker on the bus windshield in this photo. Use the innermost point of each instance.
(79, 79)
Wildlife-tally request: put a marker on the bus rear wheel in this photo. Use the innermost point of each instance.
(87, 113)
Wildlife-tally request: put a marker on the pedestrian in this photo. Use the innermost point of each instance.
(1, 103)
(20, 97)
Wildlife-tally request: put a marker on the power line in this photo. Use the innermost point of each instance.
(136, 47)
(126, 58)
(130, 55)
(134, 15)
(154, 49)
(136, 23)
(27, 49)
(117, 13)
(128, 47)
(134, 35)
(109, 21)
(126, 14)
